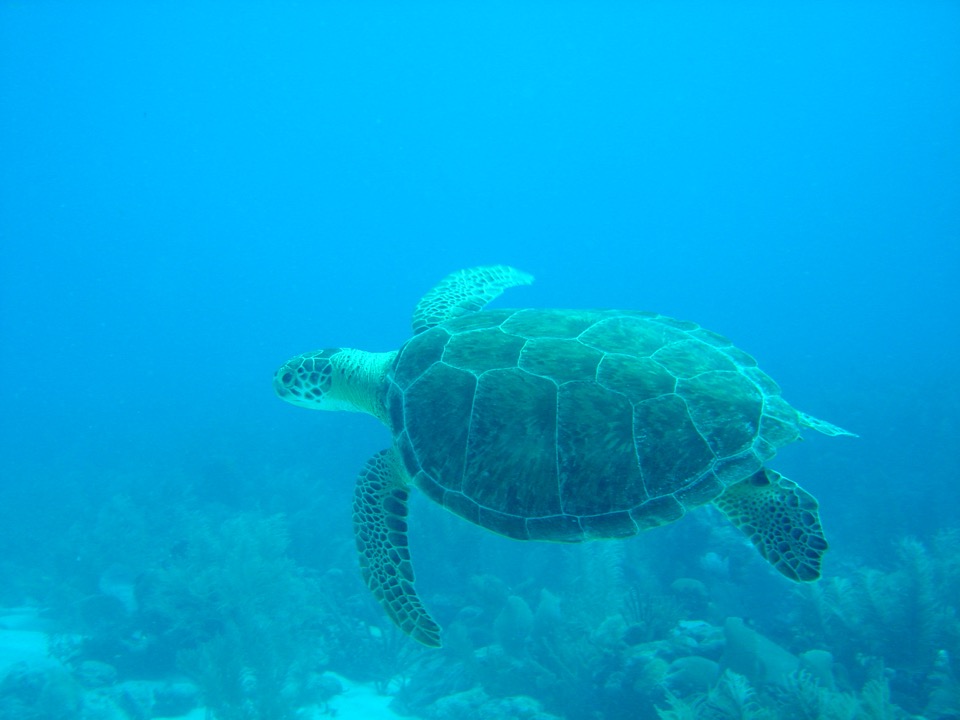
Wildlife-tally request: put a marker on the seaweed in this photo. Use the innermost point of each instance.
(679, 708)
(903, 616)
(244, 617)
(600, 631)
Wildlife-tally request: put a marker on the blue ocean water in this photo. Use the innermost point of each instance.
(191, 194)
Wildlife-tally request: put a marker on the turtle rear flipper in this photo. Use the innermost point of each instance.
(781, 520)
(380, 524)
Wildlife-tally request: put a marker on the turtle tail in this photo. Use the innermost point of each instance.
(822, 426)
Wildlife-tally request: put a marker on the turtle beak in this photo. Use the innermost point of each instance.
(283, 380)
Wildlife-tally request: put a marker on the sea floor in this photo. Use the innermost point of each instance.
(24, 647)
(23, 640)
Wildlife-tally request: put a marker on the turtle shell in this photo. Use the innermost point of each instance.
(566, 425)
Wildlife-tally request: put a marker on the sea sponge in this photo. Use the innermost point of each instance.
(749, 653)
(692, 674)
(514, 625)
(819, 665)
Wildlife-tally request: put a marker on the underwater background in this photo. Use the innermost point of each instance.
(191, 193)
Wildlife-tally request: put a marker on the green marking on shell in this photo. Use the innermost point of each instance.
(511, 455)
(560, 360)
(598, 463)
(515, 415)
(637, 379)
(482, 350)
(548, 323)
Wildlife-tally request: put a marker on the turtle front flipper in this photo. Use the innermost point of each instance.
(380, 524)
(781, 520)
(464, 292)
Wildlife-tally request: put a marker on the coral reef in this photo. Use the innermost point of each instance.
(172, 601)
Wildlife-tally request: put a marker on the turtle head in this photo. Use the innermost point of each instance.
(307, 380)
(334, 379)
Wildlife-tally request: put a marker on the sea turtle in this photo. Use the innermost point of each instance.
(559, 425)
